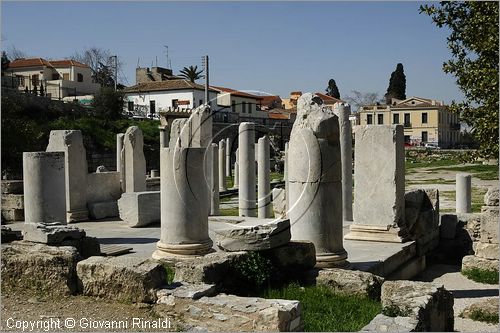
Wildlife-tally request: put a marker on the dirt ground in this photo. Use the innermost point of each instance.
(79, 314)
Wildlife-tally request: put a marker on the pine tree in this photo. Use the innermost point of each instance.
(5, 62)
(332, 89)
(397, 85)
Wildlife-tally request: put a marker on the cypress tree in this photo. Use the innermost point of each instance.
(397, 85)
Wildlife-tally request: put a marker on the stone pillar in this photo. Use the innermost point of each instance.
(228, 157)
(463, 192)
(287, 183)
(155, 173)
(379, 168)
(236, 174)
(214, 181)
(163, 136)
(315, 181)
(184, 203)
(246, 197)
(44, 187)
(135, 162)
(222, 165)
(75, 165)
(264, 179)
(119, 147)
(343, 110)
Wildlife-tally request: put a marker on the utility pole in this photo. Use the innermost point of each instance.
(205, 65)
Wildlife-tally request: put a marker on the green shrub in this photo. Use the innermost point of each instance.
(169, 273)
(254, 269)
(481, 275)
(394, 311)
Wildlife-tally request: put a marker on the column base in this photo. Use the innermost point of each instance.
(374, 233)
(165, 251)
(77, 215)
(332, 260)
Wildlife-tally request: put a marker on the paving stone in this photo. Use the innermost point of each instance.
(383, 323)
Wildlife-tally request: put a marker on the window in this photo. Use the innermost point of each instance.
(34, 79)
(243, 107)
(79, 77)
(131, 106)
(424, 136)
(380, 119)
(175, 103)
(152, 107)
(55, 76)
(233, 106)
(395, 118)
(66, 76)
(249, 107)
(369, 119)
(424, 118)
(407, 120)
(20, 79)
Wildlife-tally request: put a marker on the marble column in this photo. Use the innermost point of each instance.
(236, 175)
(228, 157)
(135, 162)
(315, 181)
(463, 193)
(264, 179)
(214, 180)
(75, 163)
(44, 182)
(246, 143)
(184, 203)
(285, 178)
(343, 110)
(119, 147)
(222, 165)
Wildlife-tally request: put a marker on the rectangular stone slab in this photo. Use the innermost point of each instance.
(253, 234)
(139, 209)
(50, 233)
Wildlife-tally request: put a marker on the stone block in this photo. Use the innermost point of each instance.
(429, 303)
(293, 257)
(486, 250)
(383, 323)
(44, 269)
(12, 201)
(139, 209)
(449, 226)
(185, 290)
(350, 282)
(134, 160)
(12, 187)
(471, 262)
(103, 209)
(130, 279)
(421, 212)
(489, 307)
(279, 202)
(50, 233)
(491, 197)
(86, 246)
(253, 234)
(235, 313)
(8, 235)
(489, 225)
(13, 214)
(379, 196)
(103, 186)
(153, 184)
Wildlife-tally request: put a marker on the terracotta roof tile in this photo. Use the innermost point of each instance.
(235, 92)
(30, 62)
(67, 63)
(165, 85)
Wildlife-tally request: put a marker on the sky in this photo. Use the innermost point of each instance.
(275, 47)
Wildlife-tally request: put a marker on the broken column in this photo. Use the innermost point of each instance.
(222, 165)
(315, 181)
(135, 162)
(343, 110)
(463, 192)
(214, 181)
(75, 165)
(246, 197)
(228, 157)
(119, 147)
(184, 203)
(287, 183)
(379, 168)
(264, 179)
(236, 175)
(44, 187)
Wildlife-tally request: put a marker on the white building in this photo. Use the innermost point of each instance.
(152, 97)
(60, 78)
(239, 106)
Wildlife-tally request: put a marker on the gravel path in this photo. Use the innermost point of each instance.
(465, 293)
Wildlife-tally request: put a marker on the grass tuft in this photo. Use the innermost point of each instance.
(325, 311)
(478, 315)
(481, 275)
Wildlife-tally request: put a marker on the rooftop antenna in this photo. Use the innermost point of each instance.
(169, 62)
(156, 61)
(138, 59)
